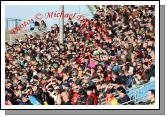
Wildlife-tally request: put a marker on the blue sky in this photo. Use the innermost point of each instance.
(25, 12)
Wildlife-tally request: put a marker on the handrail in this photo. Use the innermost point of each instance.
(137, 93)
(144, 97)
(139, 87)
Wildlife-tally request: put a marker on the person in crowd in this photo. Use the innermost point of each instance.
(42, 26)
(151, 97)
(25, 100)
(81, 100)
(123, 97)
(110, 98)
(32, 25)
(37, 25)
(91, 97)
(75, 95)
(65, 98)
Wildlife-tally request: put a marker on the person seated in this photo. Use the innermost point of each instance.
(123, 97)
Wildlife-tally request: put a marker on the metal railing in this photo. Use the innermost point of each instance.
(135, 101)
(138, 94)
(10, 38)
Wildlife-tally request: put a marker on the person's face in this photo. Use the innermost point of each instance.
(80, 73)
(150, 43)
(150, 96)
(100, 68)
(17, 93)
(92, 70)
(59, 70)
(109, 95)
(24, 99)
(39, 75)
(145, 66)
(114, 76)
(89, 92)
(139, 65)
(30, 92)
(125, 52)
(19, 87)
(121, 94)
(25, 36)
(8, 85)
(9, 94)
(74, 79)
(65, 97)
(98, 86)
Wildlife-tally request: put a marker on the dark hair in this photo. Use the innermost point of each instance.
(152, 92)
(121, 89)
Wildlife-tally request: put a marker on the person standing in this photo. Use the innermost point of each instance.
(32, 25)
(92, 98)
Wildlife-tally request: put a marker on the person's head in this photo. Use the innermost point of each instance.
(92, 70)
(74, 78)
(17, 93)
(114, 75)
(80, 73)
(121, 91)
(65, 96)
(39, 75)
(151, 95)
(42, 22)
(110, 93)
(89, 90)
(8, 85)
(58, 79)
(20, 86)
(24, 98)
(9, 93)
(98, 86)
(25, 36)
(32, 21)
(30, 91)
(75, 89)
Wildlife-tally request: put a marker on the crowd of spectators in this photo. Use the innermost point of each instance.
(98, 61)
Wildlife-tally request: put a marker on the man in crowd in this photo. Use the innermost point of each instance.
(123, 97)
(151, 97)
(91, 99)
(25, 100)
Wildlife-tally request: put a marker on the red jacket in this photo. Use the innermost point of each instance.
(74, 98)
(91, 99)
